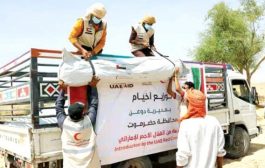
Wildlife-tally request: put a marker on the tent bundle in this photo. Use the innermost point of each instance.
(75, 71)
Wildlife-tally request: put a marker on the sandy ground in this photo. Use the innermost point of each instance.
(1, 163)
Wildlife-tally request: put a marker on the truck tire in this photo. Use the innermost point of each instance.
(240, 145)
(141, 162)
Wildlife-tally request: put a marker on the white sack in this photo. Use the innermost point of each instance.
(77, 72)
(74, 71)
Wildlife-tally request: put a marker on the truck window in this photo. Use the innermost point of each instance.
(241, 90)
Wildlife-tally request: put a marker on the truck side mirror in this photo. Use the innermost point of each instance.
(254, 95)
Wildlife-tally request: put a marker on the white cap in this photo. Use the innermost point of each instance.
(97, 9)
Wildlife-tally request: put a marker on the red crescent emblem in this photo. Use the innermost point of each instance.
(76, 136)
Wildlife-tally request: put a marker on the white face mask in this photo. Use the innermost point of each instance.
(96, 20)
(147, 26)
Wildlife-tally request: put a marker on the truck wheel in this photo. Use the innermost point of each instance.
(141, 162)
(240, 145)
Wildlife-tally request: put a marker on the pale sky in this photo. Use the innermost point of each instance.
(46, 24)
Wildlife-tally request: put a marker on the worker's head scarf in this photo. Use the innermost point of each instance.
(149, 19)
(196, 99)
(196, 104)
(97, 10)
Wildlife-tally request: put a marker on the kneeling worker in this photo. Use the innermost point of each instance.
(142, 37)
(88, 34)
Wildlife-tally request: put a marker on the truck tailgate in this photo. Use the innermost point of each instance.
(31, 144)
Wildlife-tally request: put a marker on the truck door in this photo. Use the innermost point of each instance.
(244, 109)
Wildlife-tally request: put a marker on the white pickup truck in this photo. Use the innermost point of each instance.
(136, 118)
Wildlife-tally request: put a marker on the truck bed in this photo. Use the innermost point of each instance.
(30, 144)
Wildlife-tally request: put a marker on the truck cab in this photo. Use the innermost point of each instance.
(230, 100)
(243, 117)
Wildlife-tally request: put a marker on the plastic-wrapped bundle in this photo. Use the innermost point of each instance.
(75, 71)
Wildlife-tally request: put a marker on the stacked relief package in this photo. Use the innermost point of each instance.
(75, 71)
